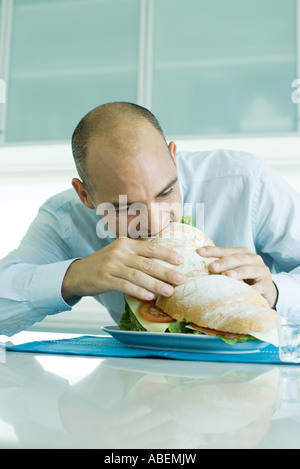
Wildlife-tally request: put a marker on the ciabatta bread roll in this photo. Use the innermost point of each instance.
(220, 303)
(185, 239)
(208, 300)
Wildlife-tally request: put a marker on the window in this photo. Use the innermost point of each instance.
(224, 67)
(205, 68)
(66, 57)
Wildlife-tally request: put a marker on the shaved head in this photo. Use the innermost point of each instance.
(115, 124)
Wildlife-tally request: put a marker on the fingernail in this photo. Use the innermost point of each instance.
(216, 265)
(232, 273)
(149, 296)
(178, 278)
(168, 290)
(202, 250)
(180, 259)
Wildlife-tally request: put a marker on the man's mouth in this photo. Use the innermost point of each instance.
(172, 219)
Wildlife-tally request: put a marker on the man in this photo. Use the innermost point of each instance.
(120, 150)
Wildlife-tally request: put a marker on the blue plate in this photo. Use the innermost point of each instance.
(181, 342)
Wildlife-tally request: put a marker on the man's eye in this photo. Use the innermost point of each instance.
(168, 192)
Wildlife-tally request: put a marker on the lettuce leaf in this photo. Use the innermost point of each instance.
(246, 338)
(179, 327)
(188, 220)
(129, 321)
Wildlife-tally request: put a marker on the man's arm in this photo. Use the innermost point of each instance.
(32, 275)
(41, 277)
(274, 270)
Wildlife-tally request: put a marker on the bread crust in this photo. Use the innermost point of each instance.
(178, 235)
(236, 310)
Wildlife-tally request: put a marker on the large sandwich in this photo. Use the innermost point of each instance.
(206, 303)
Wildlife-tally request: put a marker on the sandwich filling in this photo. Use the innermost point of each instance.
(139, 316)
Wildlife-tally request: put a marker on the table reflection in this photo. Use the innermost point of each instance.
(151, 403)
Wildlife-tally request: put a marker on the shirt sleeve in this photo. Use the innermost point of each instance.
(277, 234)
(31, 276)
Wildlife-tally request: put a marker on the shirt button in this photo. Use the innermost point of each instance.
(22, 326)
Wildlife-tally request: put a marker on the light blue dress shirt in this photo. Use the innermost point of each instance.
(246, 203)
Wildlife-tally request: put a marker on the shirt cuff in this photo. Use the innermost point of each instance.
(288, 301)
(45, 288)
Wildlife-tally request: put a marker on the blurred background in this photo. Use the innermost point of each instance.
(216, 73)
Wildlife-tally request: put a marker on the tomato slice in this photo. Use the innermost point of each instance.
(228, 335)
(152, 313)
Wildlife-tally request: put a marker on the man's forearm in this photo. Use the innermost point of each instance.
(28, 293)
(73, 283)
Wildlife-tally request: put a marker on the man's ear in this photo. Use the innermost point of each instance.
(82, 193)
(173, 150)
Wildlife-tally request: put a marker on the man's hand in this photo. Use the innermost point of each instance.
(241, 264)
(125, 265)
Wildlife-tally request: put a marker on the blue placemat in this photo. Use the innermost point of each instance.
(110, 347)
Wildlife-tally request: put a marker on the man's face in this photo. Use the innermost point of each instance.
(135, 181)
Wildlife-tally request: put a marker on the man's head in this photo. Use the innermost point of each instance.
(120, 150)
